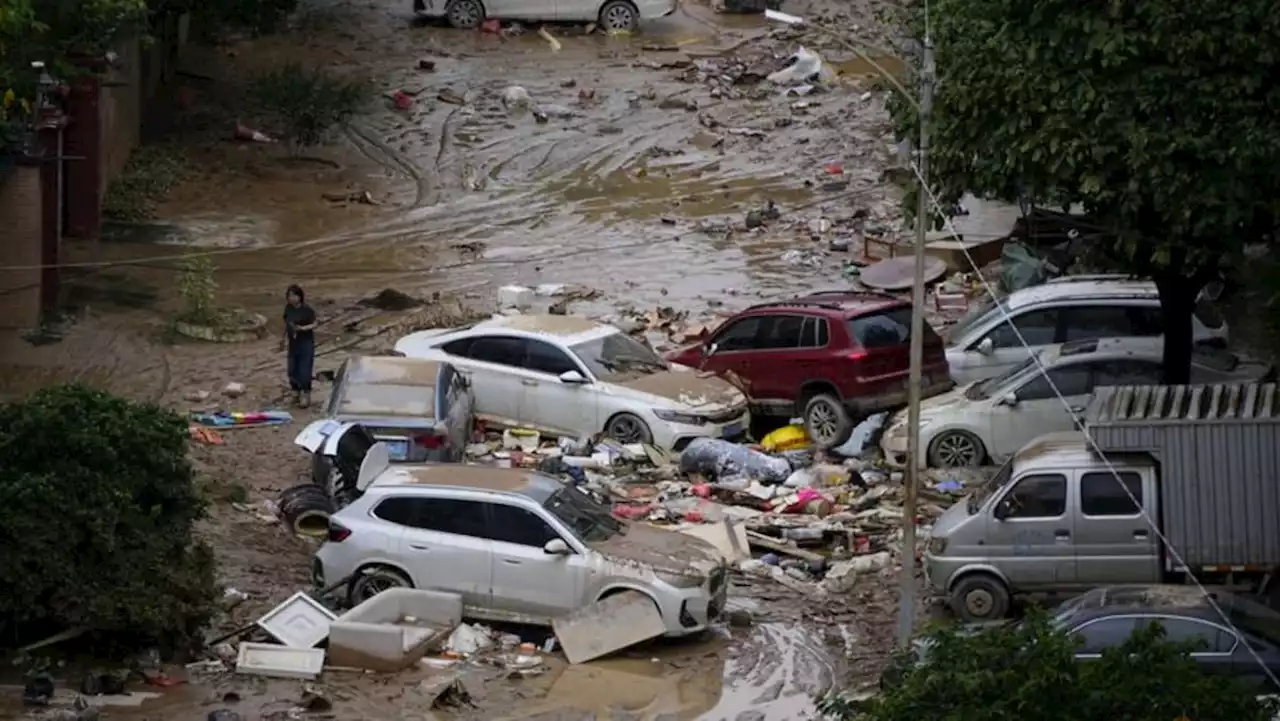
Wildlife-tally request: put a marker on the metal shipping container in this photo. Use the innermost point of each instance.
(1219, 452)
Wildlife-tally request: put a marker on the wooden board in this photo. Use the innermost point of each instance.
(896, 273)
(621, 620)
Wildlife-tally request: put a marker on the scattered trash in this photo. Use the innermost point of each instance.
(244, 133)
(718, 459)
(402, 100)
(555, 44)
(805, 67)
(491, 25)
(516, 98)
(227, 420)
(611, 624)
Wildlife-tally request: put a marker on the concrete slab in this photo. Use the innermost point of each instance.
(621, 620)
(729, 538)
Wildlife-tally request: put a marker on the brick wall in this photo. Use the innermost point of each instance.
(21, 208)
(120, 112)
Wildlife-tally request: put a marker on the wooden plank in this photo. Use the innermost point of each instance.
(762, 541)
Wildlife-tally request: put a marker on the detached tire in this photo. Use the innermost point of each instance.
(980, 597)
(465, 14)
(826, 421)
(369, 582)
(619, 16)
(305, 509)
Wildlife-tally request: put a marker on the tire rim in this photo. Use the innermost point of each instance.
(465, 12)
(626, 430)
(957, 450)
(375, 585)
(618, 17)
(822, 422)
(979, 603)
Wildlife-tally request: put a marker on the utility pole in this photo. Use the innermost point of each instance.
(907, 591)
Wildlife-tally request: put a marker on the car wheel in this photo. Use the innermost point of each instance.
(372, 581)
(980, 598)
(465, 14)
(826, 421)
(627, 428)
(619, 15)
(956, 449)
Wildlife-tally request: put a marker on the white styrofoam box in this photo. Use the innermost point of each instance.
(267, 659)
(515, 296)
(300, 622)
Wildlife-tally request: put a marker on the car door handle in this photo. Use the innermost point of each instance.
(1077, 409)
(419, 547)
(528, 382)
(512, 561)
(1061, 535)
(1141, 533)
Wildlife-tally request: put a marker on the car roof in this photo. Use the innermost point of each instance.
(391, 371)
(1071, 449)
(1082, 287)
(844, 302)
(1110, 347)
(1162, 599)
(506, 481)
(568, 328)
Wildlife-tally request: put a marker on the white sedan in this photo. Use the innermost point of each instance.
(564, 375)
(991, 419)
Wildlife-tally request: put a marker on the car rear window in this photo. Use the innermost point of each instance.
(387, 400)
(886, 329)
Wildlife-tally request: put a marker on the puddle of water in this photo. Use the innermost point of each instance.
(865, 67)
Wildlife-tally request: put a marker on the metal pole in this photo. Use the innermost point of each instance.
(907, 592)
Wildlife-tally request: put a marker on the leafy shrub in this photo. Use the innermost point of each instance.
(198, 289)
(1029, 672)
(97, 503)
(307, 103)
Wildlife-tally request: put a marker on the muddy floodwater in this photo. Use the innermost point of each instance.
(634, 178)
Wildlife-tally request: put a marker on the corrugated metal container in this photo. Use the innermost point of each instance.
(1219, 453)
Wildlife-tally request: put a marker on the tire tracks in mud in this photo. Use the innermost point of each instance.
(388, 157)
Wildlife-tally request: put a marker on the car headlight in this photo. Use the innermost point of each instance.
(682, 581)
(688, 419)
(937, 546)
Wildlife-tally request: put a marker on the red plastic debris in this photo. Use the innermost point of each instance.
(402, 99)
(491, 26)
(630, 512)
(701, 490)
(833, 169)
(694, 516)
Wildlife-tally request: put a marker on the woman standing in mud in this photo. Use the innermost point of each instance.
(299, 329)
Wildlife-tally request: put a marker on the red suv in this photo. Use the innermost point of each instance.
(833, 358)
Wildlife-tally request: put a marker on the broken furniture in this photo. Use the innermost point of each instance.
(394, 629)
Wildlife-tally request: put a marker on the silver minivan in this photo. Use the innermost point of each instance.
(1053, 519)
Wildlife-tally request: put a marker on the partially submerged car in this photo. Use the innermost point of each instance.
(422, 411)
(565, 375)
(517, 546)
(990, 420)
(610, 15)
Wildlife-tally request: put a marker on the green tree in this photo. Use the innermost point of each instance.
(1161, 118)
(307, 103)
(1028, 671)
(97, 504)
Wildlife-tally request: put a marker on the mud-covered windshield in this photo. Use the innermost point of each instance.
(983, 390)
(589, 520)
(980, 496)
(977, 316)
(618, 355)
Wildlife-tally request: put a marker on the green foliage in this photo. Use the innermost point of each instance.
(152, 171)
(258, 16)
(98, 503)
(1028, 671)
(198, 289)
(1161, 118)
(307, 103)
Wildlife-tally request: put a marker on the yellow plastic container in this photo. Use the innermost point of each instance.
(786, 438)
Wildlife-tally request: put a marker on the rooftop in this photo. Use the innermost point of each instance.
(558, 325)
(1186, 404)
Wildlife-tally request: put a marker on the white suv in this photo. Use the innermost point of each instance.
(517, 546)
(1079, 307)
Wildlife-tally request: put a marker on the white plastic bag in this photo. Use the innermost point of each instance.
(806, 68)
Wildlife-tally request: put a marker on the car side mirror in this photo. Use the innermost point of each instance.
(709, 349)
(556, 547)
(985, 346)
(1002, 509)
(1009, 399)
(572, 378)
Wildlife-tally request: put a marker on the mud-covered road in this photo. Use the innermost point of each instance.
(637, 186)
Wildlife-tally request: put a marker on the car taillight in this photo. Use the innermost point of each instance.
(338, 532)
(857, 355)
(429, 442)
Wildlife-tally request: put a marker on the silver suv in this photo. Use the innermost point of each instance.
(516, 545)
(1078, 307)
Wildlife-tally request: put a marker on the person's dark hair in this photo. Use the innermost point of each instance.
(296, 289)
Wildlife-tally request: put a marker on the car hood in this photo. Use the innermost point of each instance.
(951, 518)
(690, 388)
(661, 550)
(945, 402)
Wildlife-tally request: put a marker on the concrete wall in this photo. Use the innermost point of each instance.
(120, 112)
(21, 207)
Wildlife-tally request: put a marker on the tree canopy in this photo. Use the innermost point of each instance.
(1161, 118)
(1029, 671)
(97, 505)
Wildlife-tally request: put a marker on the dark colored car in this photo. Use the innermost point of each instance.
(831, 358)
(1106, 617)
(420, 410)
